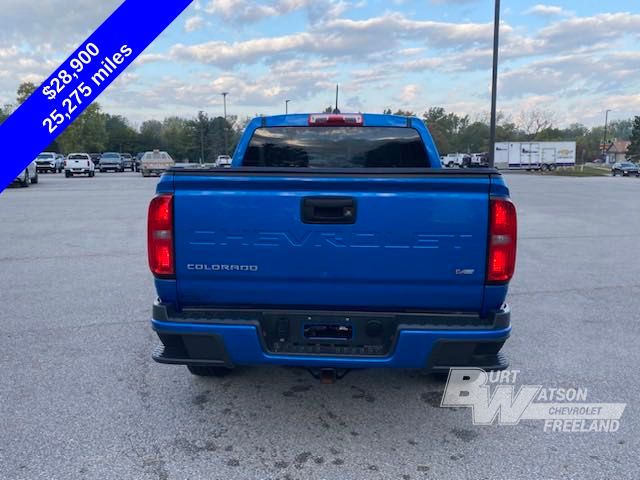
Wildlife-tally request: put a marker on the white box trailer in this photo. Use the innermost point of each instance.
(535, 155)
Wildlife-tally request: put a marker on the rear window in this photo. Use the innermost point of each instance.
(336, 147)
(78, 157)
(45, 156)
(110, 155)
(157, 156)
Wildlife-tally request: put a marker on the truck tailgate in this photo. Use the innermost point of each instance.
(416, 242)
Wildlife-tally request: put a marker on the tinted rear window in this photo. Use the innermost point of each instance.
(78, 157)
(156, 156)
(336, 147)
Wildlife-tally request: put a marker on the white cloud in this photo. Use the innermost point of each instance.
(194, 23)
(547, 11)
(409, 95)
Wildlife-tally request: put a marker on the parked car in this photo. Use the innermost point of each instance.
(452, 160)
(79, 163)
(128, 161)
(155, 163)
(480, 159)
(223, 161)
(28, 175)
(111, 161)
(272, 263)
(625, 169)
(60, 161)
(95, 158)
(138, 160)
(48, 162)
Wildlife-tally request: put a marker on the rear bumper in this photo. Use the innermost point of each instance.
(197, 341)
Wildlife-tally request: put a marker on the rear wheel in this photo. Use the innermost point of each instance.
(201, 371)
(26, 181)
(35, 179)
(67, 174)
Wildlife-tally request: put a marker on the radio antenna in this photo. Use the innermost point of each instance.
(336, 110)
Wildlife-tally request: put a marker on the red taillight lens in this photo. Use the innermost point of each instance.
(503, 232)
(329, 120)
(160, 236)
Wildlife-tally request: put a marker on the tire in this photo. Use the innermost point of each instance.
(200, 371)
(35, 179)
(450, 165)
(102, 170)
(67, 174)
(92, 174)
(26, 181)
(551, 167)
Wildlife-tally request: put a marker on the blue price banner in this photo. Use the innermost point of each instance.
(80, 80)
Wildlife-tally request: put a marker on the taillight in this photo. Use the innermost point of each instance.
(326, 120)
(160, 236)
(503, 231)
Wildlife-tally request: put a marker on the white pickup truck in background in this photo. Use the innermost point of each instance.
(223, 161)
(79, 163)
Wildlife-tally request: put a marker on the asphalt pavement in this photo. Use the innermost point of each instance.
(80, 397)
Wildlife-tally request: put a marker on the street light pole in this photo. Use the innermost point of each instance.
(286, 107)
(604, 140)
(494, 84)
(224, 100)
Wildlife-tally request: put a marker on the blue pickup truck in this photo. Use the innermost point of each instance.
(335, 241)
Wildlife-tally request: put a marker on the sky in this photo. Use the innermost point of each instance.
(573, 58)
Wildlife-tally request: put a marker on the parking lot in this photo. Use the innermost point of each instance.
(81, 397)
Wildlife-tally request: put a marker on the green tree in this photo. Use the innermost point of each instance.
(620, 129)
(176, 134)
(445, 129)
(120, 136)
(508, 132)
(4, 114)
(151, 136)
(633, 150)
(87, 133)
(24, 91)
(473, 138)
